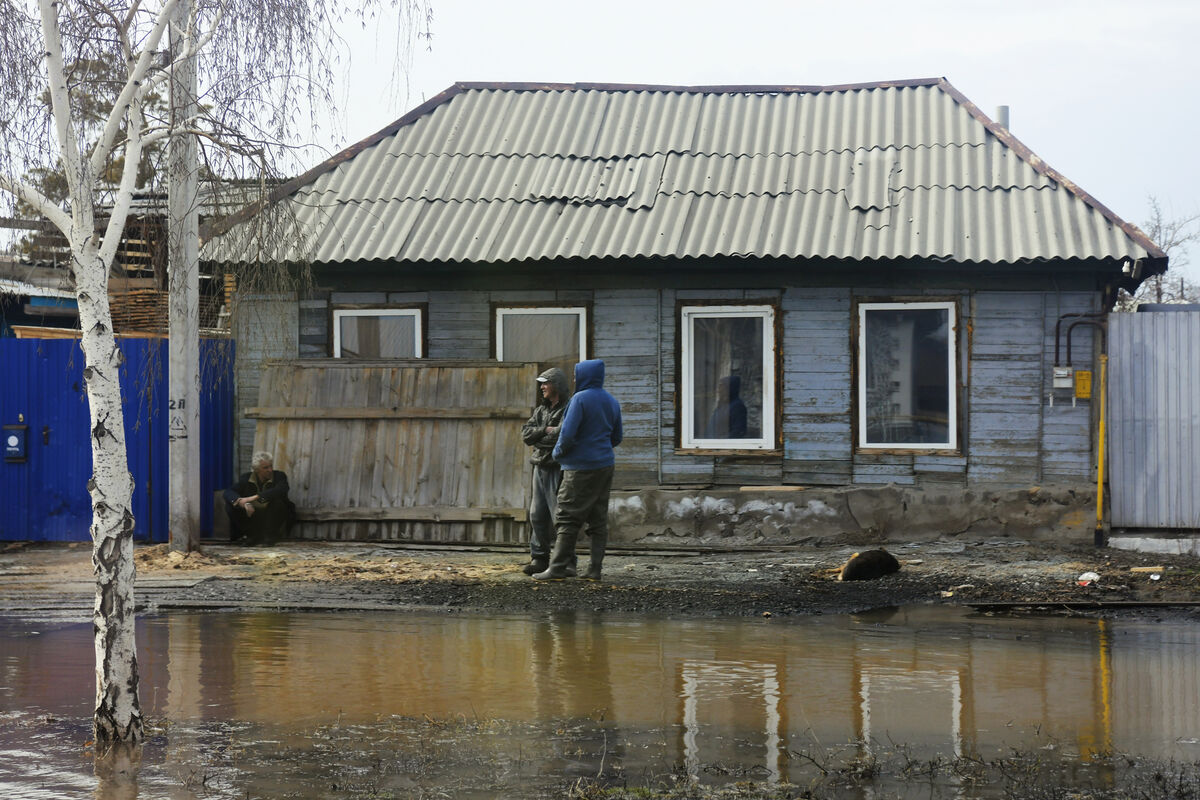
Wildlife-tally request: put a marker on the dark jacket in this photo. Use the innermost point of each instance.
(533, 432)
(592, 425)
(274, 489)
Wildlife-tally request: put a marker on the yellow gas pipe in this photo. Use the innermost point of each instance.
(1099, 535)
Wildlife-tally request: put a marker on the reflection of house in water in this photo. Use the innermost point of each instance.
(694, 693)
(993, 686)
(926, 706)
(719, 691)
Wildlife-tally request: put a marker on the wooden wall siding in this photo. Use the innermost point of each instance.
(460, 325)
(315, 339)
(945, 471)
(673, 468)
(625, 335)
(1005, 387)
(400, 449)
(265, 328)
(816, 391)
(1010, 434)
(1067, 432)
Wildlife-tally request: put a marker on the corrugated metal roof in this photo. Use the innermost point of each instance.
(23, 288)
(502, 173)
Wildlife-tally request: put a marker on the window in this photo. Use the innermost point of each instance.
(727, 384)
(552, 336)
(377, 333)
(907, 376)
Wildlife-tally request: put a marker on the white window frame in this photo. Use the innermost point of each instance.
(415, 313)
(951, 379)
(688, 316)
(526, 311)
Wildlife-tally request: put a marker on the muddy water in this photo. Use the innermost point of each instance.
(333, 705)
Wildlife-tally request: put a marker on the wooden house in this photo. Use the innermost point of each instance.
(861, 292)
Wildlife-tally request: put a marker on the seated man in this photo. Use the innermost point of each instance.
(258, 505)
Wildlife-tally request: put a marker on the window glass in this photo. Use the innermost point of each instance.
(552, 337)
(728, 375)
(362, 333)
(906, 391)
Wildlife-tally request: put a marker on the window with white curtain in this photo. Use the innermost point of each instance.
(554, 336)
(727, 378)
(377, 333)
(907, 376)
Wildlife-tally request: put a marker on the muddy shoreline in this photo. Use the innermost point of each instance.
(990, 574)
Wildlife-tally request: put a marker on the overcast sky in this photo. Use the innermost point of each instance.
(1104, 90)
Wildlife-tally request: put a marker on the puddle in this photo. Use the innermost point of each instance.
(393, 704)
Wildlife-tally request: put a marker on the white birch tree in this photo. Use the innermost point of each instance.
(265, 67)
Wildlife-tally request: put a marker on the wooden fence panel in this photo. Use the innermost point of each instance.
(403, 450)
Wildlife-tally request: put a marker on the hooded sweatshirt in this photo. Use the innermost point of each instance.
(592, 425)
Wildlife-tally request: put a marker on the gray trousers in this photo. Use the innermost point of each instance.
(546, 481)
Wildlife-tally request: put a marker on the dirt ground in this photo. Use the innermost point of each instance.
(993, 574)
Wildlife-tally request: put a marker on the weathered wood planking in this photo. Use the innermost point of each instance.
(412, 449)
(1009, 433)
(265, 328)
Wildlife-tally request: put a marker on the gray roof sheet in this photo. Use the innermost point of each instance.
(503, 173)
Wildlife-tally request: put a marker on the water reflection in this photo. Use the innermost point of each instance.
(590, 695)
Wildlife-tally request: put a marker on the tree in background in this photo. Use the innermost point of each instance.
(266, 70)
(99, 82)
(1173, 236)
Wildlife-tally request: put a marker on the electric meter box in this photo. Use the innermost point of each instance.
(1083, 384)
(1063, 379)
(16, 442)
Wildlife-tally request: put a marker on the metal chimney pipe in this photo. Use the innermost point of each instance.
(1002, 115)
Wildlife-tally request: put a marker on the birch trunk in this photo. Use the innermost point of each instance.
(118, 714)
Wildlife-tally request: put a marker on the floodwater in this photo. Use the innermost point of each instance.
(393, 704)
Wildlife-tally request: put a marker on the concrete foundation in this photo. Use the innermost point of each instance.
(779, 516)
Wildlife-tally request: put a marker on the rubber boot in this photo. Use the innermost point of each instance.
(536, 564)
(560, 559)
(573, 568)
(598, 544)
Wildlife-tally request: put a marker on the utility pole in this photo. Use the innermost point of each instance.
(183, 270)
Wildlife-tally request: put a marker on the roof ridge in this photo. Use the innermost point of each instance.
(530, 86)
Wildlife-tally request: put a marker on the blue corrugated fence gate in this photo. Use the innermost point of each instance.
(45, 496)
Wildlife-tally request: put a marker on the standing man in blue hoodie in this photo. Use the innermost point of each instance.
(590, 430)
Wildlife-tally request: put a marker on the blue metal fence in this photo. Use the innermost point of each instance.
(45, 496)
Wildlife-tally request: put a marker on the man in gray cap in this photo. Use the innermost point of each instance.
(541, 433)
